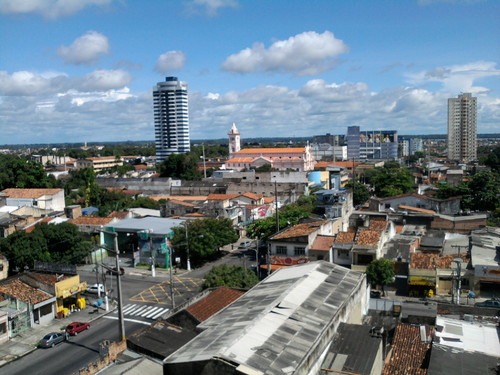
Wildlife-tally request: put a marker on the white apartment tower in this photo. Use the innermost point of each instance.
(171, 118)
(234, 139)
(462, 128)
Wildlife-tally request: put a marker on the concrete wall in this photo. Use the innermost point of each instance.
(458, 224)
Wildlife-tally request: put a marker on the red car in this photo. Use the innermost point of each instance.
(76, 327)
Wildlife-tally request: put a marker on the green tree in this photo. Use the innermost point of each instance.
(390, 180)
(58, 243)
(360, 192)
(204, 238)
(232, 277)
(380, 272)
(17, 172)
(183, 166)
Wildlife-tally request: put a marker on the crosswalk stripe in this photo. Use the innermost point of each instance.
(153, 311)
(128, 308)
(127, 320)
(160, 313)
(145, 312)
(138, 310)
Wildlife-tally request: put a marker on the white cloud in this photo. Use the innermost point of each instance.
(85, 50)
(103, 80)
(210, 7)
(51, 9)
(458, 78)
(170, 61)
(304, 54)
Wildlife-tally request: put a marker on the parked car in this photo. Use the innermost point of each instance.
(94, 289)
(245, 244)
(488, 303)
(76, 327)
(52, 339)
(113, 271)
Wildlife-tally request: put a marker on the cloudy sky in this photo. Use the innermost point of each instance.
(83, 70)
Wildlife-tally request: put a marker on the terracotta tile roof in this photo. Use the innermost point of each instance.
(140, 166)
(213, 303)
(240, 160)
(430, 261)
(17, 289)
(368, 237)
(252, 195)
(378, 224)
(29, 193)
(416, 209)
(299, 230)
(47, 278)
(278, 150)
(409, 352)
(399, 228)
(104, 158)
(118, 214)
(268, 199)
(345, 237)
(195, 214)
(91, 220)
(344, 164)
(181, 203)
(323, 243)
(221, 197)
(132, 192)
(184, 198)
(44, 220)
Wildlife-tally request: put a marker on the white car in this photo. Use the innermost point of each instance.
(246, 244)
(94, 289)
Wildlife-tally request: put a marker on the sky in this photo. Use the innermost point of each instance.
(84, 70)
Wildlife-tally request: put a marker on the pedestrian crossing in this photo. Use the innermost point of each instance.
(144, 311)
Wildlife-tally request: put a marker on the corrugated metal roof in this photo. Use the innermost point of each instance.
(274, 325)
(159, 225)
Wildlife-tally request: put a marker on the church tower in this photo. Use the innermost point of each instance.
(234, 140)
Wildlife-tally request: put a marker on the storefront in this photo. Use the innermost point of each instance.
(68, 295)
(421, 286)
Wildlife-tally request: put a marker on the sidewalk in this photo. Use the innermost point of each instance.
(26, 342)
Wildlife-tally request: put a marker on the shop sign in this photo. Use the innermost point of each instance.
(488, 272)
(74, 290)
(422, 281)
(287, 261)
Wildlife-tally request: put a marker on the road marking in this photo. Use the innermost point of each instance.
(128, 308)
(136, 311)
(160, 313)
(155, 312)
(145, 312)
(127, 320)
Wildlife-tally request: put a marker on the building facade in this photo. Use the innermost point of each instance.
(380, 144)
(462, 128)
(171, 118)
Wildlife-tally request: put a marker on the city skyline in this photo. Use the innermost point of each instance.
(85, 73)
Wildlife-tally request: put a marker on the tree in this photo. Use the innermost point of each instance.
(183, 166)
(232, 277)
(390, 180)
(16, 172)
(204, 238)
(380, 272)
(58, 243)
(360, 193)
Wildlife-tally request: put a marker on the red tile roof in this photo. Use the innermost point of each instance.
(323, 243)
(91, 220)
(345, 237)
(181, 203)
(47, 278)
(29, 193)
(368, 237)
(282, 150)
(299, 230)
(221, 197)
(410, 208)
(430, 261)
(21, 291)
(213, 303)
(378, 224)
(118, 214)
(408, 356)
(44, 220)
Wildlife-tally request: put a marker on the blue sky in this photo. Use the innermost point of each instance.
(83, 70)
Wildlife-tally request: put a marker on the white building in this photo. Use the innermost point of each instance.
(234, 139)
(45, 199)
(462, 128)
(171, 117)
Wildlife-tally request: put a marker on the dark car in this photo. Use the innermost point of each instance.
(52, 339)
(76, 327)
(113, 271)
(488, 303)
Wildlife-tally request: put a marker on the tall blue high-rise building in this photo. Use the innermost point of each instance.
(171, 118)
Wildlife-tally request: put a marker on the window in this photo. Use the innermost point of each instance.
(299, 251)
(3, 328)
(281, 250)
(387, 206)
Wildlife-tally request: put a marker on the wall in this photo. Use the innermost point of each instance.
(287, 192)
(459, 224)
(115, 348)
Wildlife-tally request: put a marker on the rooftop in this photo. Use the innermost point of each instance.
(28, 193)
(22, 291)
(213, 303)
(299, 230)
(277, 150)
(368, 237)
(323, 243)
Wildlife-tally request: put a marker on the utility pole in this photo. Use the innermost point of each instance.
(188, 262)
(151, 250)
(119, 289)
(171, 276)
(277, 211)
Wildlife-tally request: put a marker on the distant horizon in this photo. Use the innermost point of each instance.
(216, 140)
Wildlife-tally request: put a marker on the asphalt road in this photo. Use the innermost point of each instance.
(68, 357)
